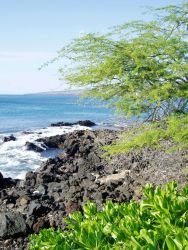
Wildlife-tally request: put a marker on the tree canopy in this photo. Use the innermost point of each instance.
(140, 67)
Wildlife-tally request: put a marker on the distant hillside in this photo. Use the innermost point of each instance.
(75, 92)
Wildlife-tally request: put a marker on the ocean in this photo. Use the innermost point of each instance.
(33, 114)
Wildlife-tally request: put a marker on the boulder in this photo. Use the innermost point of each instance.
(9, 138)
(7, 182)
(53, 141)
(30, 179)
(37, 209)
(60, 124)
(86, 123)
(1, 177)
(33, 147)
(11, 224)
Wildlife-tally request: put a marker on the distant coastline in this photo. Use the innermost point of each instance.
(76, 92)
(68, 92)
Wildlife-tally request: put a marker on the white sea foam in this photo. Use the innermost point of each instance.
(15, 160)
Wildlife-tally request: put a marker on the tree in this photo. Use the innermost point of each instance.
(140, 67)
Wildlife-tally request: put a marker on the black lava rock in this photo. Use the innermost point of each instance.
(9, 138)
(11, 224)
(86, 123)
(33, 147)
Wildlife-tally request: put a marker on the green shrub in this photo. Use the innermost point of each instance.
(159, 221)
(174, 129)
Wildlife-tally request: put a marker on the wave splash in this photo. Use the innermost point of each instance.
(16, 160)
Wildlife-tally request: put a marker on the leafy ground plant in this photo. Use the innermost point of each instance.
(159, 221)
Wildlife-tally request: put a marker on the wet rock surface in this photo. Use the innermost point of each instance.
(65, 183)
(7, 182)
(9, 138)
(33, 147)
(86, 123)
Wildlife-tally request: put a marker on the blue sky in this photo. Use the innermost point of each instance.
(32, 31)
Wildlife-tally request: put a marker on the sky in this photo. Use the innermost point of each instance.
(31, 32)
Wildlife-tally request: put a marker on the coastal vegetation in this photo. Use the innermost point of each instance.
(173, 129)
(159, 221)
(141, 69)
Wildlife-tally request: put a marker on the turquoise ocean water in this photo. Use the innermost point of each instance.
(23, 112)
(34, 114)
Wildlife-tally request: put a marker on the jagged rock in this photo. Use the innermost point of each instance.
(1, 177)
(65, 183)
(7, 182)
(41, 223)
(42, 189)
(36, 209)
(24, 200)
(30, 179)
(71, 207)
(46, 178)
(56, 141)
(11, 224)
(31, 146)
(9, 138)
(86, 123)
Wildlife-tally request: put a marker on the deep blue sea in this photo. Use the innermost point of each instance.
(34, 114)
(23, 112)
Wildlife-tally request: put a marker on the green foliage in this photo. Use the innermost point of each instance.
(48, 239)
(159, 221)
(174, 129)
(140, 67)
(177, 130)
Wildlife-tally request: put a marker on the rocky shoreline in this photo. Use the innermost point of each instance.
(63, 184)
